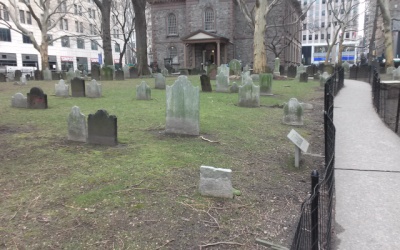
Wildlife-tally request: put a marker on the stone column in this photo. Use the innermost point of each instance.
(184, 55)
(218, 53)
(194, 55)
(225, 53)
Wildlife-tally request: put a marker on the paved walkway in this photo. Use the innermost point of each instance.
(367, 174)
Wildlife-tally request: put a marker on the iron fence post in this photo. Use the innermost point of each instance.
(314, 209)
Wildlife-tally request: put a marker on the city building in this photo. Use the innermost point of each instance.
(320, 25)
(194, 33)
(77, 43)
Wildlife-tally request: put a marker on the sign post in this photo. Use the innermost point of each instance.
(300, 144)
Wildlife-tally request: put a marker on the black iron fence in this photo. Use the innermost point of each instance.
(314, 228)
(386, 100)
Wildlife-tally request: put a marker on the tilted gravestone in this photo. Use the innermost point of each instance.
(303, 77)
(95, 72)
(17, 75)
(249, 94)
(19, 101)
(293, 113)
(133, 72)
(36, 99)
(102, 128)
(266, 84)
(119, 75)
(93, 89)
(61, 89)
(78, 87)
(47, 75)
(235, 67)
(38, 75)
(159, 81)
(234, 88)
(216, 182)
(143, 91)
(292, 71)
(222, 82)
(3, 77)
(183, 108)
(77, 125)
(205, 83)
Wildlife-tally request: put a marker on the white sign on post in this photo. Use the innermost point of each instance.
(298, 140)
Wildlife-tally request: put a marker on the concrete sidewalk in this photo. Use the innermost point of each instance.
(367, 174)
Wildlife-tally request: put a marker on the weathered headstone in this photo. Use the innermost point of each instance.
(246, 77)
(303, 77)
(293, 113)
(212, 71)
(125, 69)
(396, 74)
(276, 68)
(102, 128)
(234, 88)
(143, 91)
(316, 76)
(119, 75)
(353, 72)
(93, 89)
(292, 71)
(235, 67)
(17, 75)
(249, 94)
(36, 99)
(47, 75)
(61, 89)
(19, 101)
(329, 68)
(55, 75)
(70, 75)
(224, 69)
(3, 77)
(255, 78)
(38, 75)
(183, 108)
(133, 72)
(216, 182)
(389, 71)
(23, 80)
(77, 125)
(323, 78)
(78, 87)
(107, 73)
(78, 73)
(95, 72)
(222, 82)
(300, 70)
(159, 81)
(346, 67)
(205, 83)
(165, 72)
(246, 68)
(266, 84)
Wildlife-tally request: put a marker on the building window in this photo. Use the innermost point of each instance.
(173, 54)
(335, 23)
(65, 41)
(304, 37)
(323, 25)
(80, 10)
(75, 9)
(62, 5)
(304, 26)
(328, 36)
(80, 43)
(322, 36)
(26, 39)
(90, 12)
(93, 44)
(341, 11)
(117, 48)
(22, 16)
(76, 26)
(172, 29)
(329, 24)
(323, 1)
(209, 19)
(49, 39)
(81, 27)
(330, 12)
(117, 34)
(316, 37)
(93, 13)
(310, 37)
(5, 35)
(63, 24)
(305, 3)
(347, 35)
(323, 13)
(91, 29)
(28, 18)
(95, 29)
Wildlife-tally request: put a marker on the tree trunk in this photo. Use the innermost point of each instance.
(44, 54)
(384, 7)
(106, 32)
(139, 7)
(260, 51)
(372, 39)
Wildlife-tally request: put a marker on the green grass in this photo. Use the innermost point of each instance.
(142, 179)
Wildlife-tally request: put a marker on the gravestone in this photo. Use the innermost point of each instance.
(159, 81)
(353, 72)
(224, 69)
(77, 125)
(266, 84)
(303, 77)
(316, 76)
(212, 71)
(364, 71)
(38, 75)
(346, 67)
(222, 82)
(61, 89)
(249, 94)
(216, 182)
(70, 75)
(255, 78)
(47, 75)
(205, 83)
(282, 70)
(93, 89)
(36, 99)
(17, 75)
(246, 68)
(3, 77)
(133, 72)
(102, 128)
(107, 73)
(19, 101)
(293, 113)
(300, 69)
(235, 67)
(23, 80)
(329, 68)
(183, 105)
(84, 73)
(276, 68)
(119, 75)
(389, 71)
(396, 74)
(246, 77)
(184, 72)
(323, 78)
(63, 75)
(143, 91)
(95, 72)
(165, 72)
(78, 73)
(234, 88)
(312, 70)
(56, 75)
(125, 69)
(78, 87)
(292, 71)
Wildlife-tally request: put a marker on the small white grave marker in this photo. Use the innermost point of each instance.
(300, 144)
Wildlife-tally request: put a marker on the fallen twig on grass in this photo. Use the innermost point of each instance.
(204, 211)
(221, 243)
(205, 139)
(168, 241)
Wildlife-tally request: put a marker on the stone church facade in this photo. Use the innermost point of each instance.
(192, 33)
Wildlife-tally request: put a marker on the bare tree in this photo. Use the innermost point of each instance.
(372, 39)
(139, 7)
(46, 14)
(105, 10)
(387, 24)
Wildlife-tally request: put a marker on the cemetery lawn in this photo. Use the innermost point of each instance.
(143, 193)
